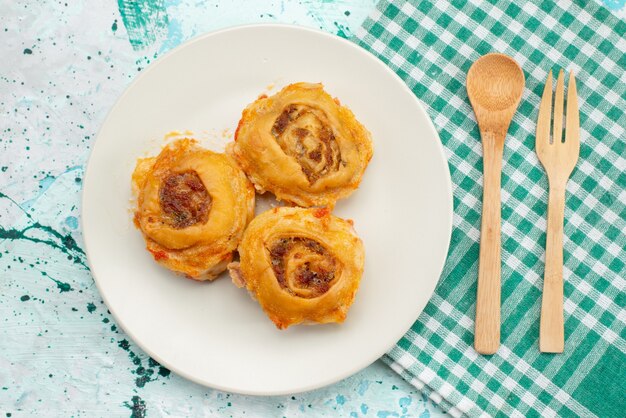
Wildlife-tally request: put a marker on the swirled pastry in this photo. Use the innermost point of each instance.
(192, 208)
(302, 145)
(301, 265)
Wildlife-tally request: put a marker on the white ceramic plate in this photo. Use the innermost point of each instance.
(214, 333)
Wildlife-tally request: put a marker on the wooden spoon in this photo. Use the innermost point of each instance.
(495, 83)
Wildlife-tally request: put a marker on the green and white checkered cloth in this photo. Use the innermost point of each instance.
(431, 45)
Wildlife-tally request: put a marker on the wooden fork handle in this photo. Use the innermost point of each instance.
(551, 330)
(487, 327)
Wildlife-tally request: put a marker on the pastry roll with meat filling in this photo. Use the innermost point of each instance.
(192, 208)
(302, 146)
(301, 265)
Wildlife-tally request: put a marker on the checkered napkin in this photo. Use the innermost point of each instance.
(431, 45)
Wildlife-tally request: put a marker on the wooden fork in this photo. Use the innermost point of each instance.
(558, 158)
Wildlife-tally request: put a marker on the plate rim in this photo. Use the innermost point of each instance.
(376, 61)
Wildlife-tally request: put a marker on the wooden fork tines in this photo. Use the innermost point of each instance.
(558, 155)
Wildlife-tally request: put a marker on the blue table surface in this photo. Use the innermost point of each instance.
(62, 66)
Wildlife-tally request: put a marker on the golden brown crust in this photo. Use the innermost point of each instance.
(302, 145)
(301, 265)
(192, 208)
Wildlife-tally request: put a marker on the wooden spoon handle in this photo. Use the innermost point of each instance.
(487, 328)
(551, 330)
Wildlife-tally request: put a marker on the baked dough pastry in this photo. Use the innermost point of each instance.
(301, 265)
(302, 145)
(192, 208)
